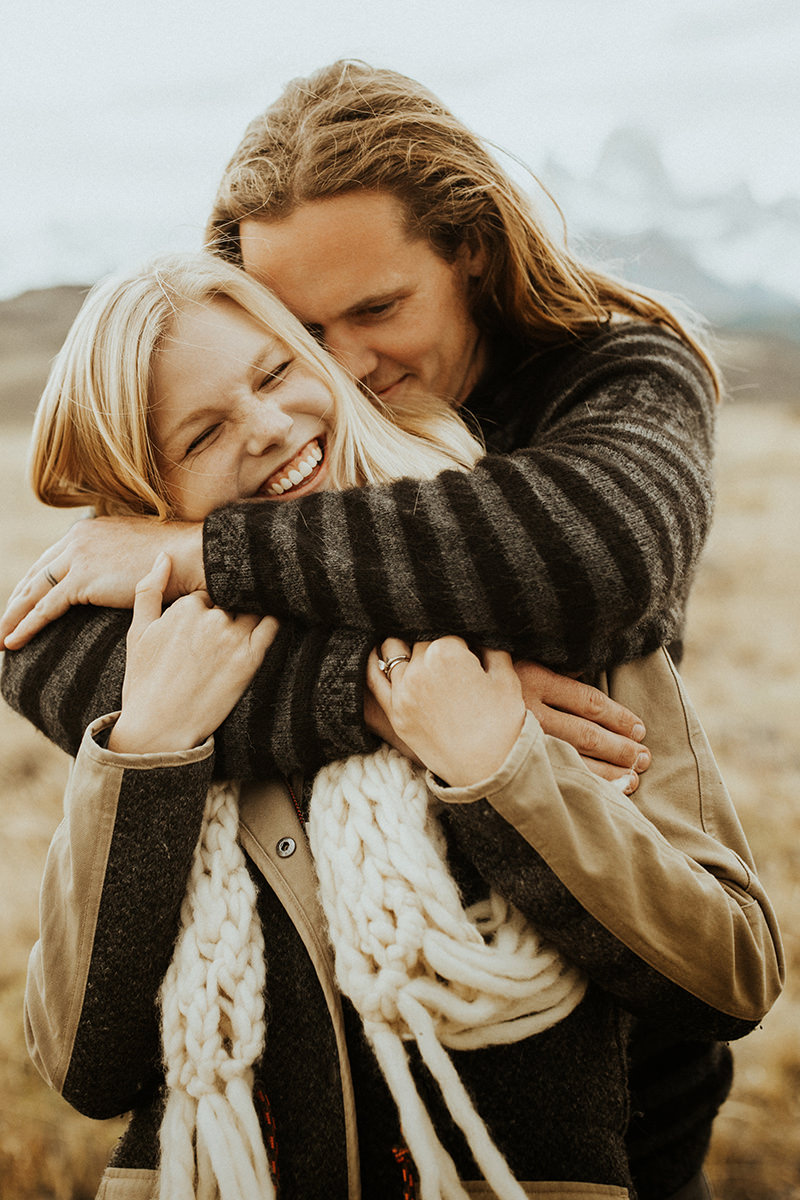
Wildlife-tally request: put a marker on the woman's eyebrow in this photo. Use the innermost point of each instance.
(196, 416)
(273, 354)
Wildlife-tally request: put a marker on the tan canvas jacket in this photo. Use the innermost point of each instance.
(668, 873)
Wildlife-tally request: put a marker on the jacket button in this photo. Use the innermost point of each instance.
(286, 847)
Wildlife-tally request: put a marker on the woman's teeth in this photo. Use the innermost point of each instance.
(297, 471)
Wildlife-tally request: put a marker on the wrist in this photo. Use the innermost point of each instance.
(476, 764)
(129, 736)
(186, 552)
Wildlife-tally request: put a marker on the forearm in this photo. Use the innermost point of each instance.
(304, 708)
(576, 550)
(668, 917)
(70, 674)
(110, 908)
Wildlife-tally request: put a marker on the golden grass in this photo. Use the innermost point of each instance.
(742, 670)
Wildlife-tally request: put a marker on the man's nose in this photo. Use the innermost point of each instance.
(352, 350)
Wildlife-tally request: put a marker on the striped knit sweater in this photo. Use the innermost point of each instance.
(573, 543)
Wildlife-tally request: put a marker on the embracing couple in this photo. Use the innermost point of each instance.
(395, 862)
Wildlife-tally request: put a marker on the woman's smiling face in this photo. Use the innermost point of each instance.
(235, 413)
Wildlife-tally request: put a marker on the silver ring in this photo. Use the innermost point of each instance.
(388, 666)
(50, 577)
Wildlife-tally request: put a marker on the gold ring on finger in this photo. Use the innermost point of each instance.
(389, 664)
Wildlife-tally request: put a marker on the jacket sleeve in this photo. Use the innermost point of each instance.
(114, 879)
(304, 707)
(576, 550)
(656, 896)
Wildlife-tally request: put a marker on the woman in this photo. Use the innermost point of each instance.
(222, 395)
(576, 552)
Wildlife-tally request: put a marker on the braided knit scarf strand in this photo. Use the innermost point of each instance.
(414, 963)
(212, 1004)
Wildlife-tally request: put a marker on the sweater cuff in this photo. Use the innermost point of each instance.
(338, 703)
(228, 561)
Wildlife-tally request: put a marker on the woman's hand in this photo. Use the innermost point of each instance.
(100, 561)
(608, 736)
(459, 714)
(186, 668)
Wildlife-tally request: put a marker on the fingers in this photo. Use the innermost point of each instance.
(395, 657)
(263, 635)
(496, 662)
(591, 740)
(30, 591)
(574, 696)
(35, 573)
(149, 597)
(626, 781)
(35, 606)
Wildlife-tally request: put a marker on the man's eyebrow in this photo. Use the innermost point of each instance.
(391, 293)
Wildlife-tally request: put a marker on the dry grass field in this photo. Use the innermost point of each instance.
(742, 670)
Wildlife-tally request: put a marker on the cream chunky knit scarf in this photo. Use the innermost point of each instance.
(212, 1023)
(415, 964)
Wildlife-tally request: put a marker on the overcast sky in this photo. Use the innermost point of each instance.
(117, 119)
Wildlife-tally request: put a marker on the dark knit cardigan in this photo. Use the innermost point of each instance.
(573, 543)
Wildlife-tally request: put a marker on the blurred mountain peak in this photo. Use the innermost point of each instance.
(728, 255)
(630, 159)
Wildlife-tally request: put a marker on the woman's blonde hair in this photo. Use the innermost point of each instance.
(92, 442)
(351, 126)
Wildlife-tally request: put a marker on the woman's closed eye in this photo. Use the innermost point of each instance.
(202, 440)
(271, 378)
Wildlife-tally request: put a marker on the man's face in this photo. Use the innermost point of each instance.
(393, 312)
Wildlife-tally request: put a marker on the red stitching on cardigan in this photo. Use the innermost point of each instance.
(298, 810)
(268, 1130)
(402, 1156)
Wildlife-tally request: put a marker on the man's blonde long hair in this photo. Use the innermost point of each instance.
(92, 442)
(352, 127)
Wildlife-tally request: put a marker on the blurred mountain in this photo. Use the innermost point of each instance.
(32, 328)
(727, 256)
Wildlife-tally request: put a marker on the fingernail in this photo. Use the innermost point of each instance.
(638, 732)
(642, 761)
(631, 784)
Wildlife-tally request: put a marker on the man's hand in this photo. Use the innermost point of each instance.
(607, 736)
(100, 562)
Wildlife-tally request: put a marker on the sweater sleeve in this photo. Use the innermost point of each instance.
(114, 880)
(576, 549)
(304, 707)
(656, 897)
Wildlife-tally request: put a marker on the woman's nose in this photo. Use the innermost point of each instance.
(267, 425)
